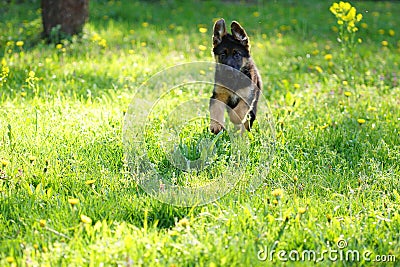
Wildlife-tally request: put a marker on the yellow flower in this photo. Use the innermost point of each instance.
(391, 32)
(20, 43)
(323, 126)
(296, 86)
(184, 222)
(371, 109)
(295, 178)
(102, 43)
(381, 31)
(364, 25)
(32, 159)
(328, 57)
(145, 24)
(143, 44)
(347, 93)
(302, 210)
(89, 182)
(202, 30)
(131, 51)
(361, 121)
(318, 69)
(4, 163)
(345, 83)
(73, 201)
(344, 5)
(85, 219)
(23, 94)
(385, 43)
(278, 193)
(202, 47)
(10, 259)
(42, 223)
(256, 14)
(350, 15)
(59, 46)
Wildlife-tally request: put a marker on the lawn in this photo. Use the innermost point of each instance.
(317, 180)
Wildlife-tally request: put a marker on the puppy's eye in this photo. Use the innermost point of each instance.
(223, 54)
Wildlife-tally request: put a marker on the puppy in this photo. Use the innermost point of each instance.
(237, 80)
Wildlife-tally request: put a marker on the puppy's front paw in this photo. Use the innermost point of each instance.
(215, 127)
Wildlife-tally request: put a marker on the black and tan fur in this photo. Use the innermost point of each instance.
(233, 91)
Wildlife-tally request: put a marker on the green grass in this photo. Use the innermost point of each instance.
(61, 138)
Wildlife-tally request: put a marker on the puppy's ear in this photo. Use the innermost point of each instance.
(239, 34)
(219, 31)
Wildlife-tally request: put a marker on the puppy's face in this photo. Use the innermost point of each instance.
(230, 49)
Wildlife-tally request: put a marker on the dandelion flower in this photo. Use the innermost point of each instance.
(381, 31)
(302, 210)
(20, 43)
(278, 193)
(184, 222)
(347, 93)
(328, 57)
(42, 223)
(59, 46)
(10, 259)
(296, 86)
(4, 163)
(391, 32)
(145, 24)
(73, 201)
(256, 14)
(385, 43)
(361, 121)
(85, 219)
(202, 30)
(318, 69)
(345, 83)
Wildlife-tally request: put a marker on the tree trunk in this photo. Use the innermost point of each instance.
(63, 17)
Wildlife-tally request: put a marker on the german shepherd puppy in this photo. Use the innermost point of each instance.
(237, 81)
